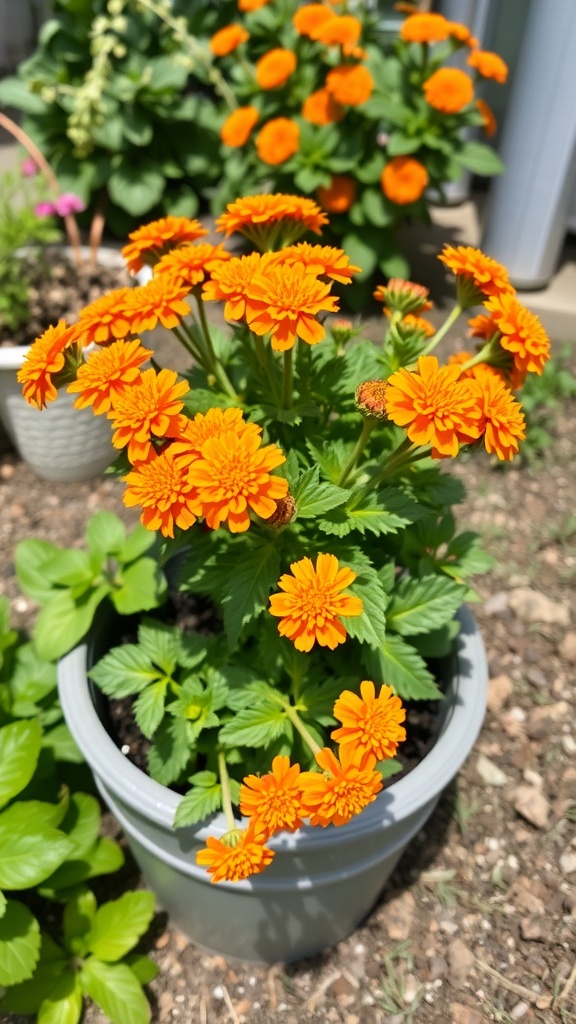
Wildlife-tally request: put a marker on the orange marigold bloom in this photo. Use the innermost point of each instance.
(372, 723)
(343, 788)
(213, 423)
(310, 17)
(503, 419)
(350, 84)
(272, 801)
(278, 140)
(104, 319)
(404, 180)
(489, 123)
(230, 281)
(228, 39)
(489, 65)
(150, 407)
(341, 30)
(275, 67)
(253, 213)
(321, 108)
(236, 856)
(424, 28)
(449, 90)
(321, 260)
(44, 359)
(485, 275)
(285, 301)
(107, 373)
(149, 242)
(522, 333)
(238, 126)
(482, 326)
(434, 405)
(312, 604)
(251, 5)
(340, 194)
(159, 301)
(191, 264)
(233, 476)
(162, 489)
(461, 32)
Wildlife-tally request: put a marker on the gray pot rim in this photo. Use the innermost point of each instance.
(465, 705)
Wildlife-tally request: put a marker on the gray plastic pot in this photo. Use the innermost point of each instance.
(322, 882)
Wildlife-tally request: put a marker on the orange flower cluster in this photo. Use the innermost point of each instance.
(449, 90)
(255, 216)
(312, 603)
(404, 180)
(488, 65)
(238, 126)
(151, 241)
(227, 39)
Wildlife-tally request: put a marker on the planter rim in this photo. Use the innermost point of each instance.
(465, 704)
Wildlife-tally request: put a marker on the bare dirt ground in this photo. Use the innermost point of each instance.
(479, 921)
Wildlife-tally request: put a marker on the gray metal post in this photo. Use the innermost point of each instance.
(528, 208)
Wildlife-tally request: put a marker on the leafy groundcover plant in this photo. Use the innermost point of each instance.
(57, 945)
(327, 107)
(298, 472)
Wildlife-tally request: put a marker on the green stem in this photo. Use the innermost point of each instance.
(226, 796)
(301, 728)
(288, 379)
(404, 455)
(442, 331)
(263, 356)
(367, 428)
(485, 354)
(187, 343)
(215, 364)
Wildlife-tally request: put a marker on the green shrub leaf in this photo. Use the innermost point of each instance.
(256, 727)
(202, 800)
(64, 1003)
(143, 587)
(313, 497)
(125, 671)
(420, 605)
(118, 925)
(116, 990)
(19, 943)
(250, 582)
(397, 664)
(20, 744)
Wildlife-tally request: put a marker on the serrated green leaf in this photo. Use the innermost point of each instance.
(29, 558)
(29, 853)
(32, 680)
(256, 726)
(143, 587)
(439, 643)
(390, 767)
(149, 707)
(171, 751)
(64, 1004)
(313, 497)
(161, 643)
(19, 943)
(116, 990)
(124, 671)
(249, 585)
(20, 744)
(198, 803)
(143, 969)
(331, 457)
(370, 626)
(421, 605)
(105, 534)
(27, 996)
(119, 924)
(397, 664)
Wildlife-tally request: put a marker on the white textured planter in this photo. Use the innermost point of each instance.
(322, 882)
(59, 443)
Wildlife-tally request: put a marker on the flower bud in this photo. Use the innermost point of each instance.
(370, 397)
(403, 296)
(284, 514)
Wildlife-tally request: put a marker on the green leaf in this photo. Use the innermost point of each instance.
(20, 744)
(390, 767)
(29, 557)
(59, 740)
(360, 252)
(165, 74)
(63, 622)
(16, 93)
(199, 802)
(376, 210)
(27, 996)
(370, 626)
(149, 707)
(115, 989)
(136, 185)
(143, 969)
(29, 813)
(78, 918)
(397, 664)
(171, 751)
(400, 144)
(29, 852)
(421, 605)
(479, 159)
(19, 943)
(313, 497)
(138, 541)
(124, 671)
(143, 587)
(118, 925)
(105, 534)
(439, 643)
(69, 568)
(161, 643)
(250, 582)
(32, 680)
(3, 904)
(82, 823)
(256, 726)
(64, 1004)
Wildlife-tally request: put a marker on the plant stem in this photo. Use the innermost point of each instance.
(263, 356)
(288, 379)
(443, 330)
(187, 343)
(215, 364)
(226, 797)
(301, 728)
(367, 428)
(405, 455)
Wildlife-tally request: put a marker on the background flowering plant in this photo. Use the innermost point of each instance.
(329, 107)
(298, 470)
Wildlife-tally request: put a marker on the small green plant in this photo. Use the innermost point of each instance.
(19, 226)
(542, 398)
(71, 584)
(396, 994)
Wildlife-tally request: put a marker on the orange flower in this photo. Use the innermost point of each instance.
(321, 260)
(275, 67)
(404, 180)
(44, 359)
(278, 140)
(424, 28)
(227, 39)
(341, 30)
(480, 275)
(503, 421)
(238, 854)
(340, 194)
(522, 334)
(149, 242)
(214, 423)
(161, 300)
(342, 789)
(104, 318)
(489, 124)
(489, 65)
(272, 801)
(107, 373)
(162, 489)
(254, 213)
(150, 407)
(189, 265)
(321, 108)
(372, 723)
(350, 84)
(418, 323)
(461, 32)
(312, 603)
(403, 296)
(232, 476)
(238, 126)
(284, 302)
(482, 326)
(434, 405)
(310, 17)
(230, 281)
(251, 5)
(449, 90)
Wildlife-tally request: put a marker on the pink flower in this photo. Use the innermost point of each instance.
(67, 203)
(29, 167)
(44, 209)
